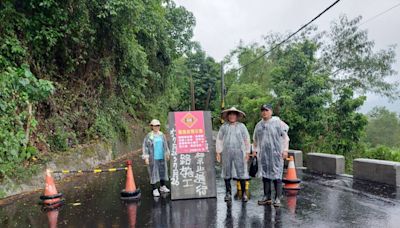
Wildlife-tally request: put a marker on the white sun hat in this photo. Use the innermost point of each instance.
(155, 122)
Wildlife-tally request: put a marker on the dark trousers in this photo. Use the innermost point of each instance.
(162, 183)
(277, 186)
(229, 187)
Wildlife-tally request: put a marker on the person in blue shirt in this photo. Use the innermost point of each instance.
(155, 153)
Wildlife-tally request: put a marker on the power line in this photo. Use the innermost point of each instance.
(379, 14)
(290, 36)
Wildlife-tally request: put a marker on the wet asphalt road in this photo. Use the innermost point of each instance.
(92, 200)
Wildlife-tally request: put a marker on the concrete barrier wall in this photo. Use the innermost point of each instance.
(325, 163)
(387, 172)
(298, 157)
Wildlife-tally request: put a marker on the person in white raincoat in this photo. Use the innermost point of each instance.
(155, 153)
(271, 143)
(233, 144)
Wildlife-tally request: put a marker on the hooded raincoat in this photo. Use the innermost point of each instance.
(157, 168)
(270, 139)
(233, 141)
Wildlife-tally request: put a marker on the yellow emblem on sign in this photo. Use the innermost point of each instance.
(189, 120)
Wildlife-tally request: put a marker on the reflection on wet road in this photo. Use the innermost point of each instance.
(92, 200)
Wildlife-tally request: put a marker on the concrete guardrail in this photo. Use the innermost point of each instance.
(298, 157)
(387, 172)
(325, 163)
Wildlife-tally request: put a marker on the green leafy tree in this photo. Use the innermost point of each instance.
(312, 80)
(180, 29)
(205, 73)
(20, 91)
(111, 62)
(345, 126)
(382, 152)
(248, 97)
(259, 71)
(383, 128)
(301, 93)
(349, 56)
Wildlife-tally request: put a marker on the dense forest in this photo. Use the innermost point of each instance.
(80, 70)
(77, 70)
(317, 84)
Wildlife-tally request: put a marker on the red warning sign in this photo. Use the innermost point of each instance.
(190, 132)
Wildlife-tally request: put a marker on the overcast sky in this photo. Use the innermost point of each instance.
(221, 24)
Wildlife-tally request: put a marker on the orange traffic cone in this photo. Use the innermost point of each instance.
(51, 198)
(130, 192)
(130, 185)
(132, 212)
(291, 202)
(291, 181)
(53, 218)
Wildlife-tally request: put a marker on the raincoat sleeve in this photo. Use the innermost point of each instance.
(246, 139)
(145, 149)
(220, 140)
(285, 137)
(166, 148)
(256, 140)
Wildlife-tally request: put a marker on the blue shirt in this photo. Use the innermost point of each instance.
(158, 147)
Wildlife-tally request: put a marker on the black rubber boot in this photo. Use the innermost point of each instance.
(153, 186)
(238, 194)
(243, 187)
(266, 200)
(278, 192)
(228, 195)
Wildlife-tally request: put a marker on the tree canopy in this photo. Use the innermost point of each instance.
(383, 128)
(92, 67)
(314, 81)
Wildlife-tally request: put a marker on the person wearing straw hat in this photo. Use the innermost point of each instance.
(271, 143)
(155, 154)
(233, 145)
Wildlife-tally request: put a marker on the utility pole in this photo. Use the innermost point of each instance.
(193, 108)
(222, 90)
(208, 97)
(222, 87)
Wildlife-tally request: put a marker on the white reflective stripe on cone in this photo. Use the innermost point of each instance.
(291, 165)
